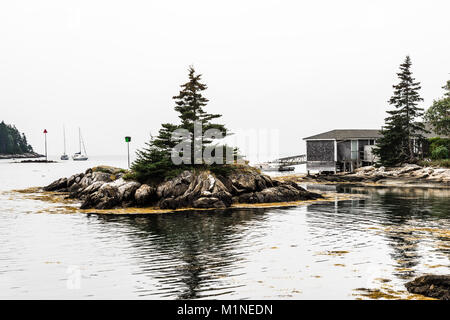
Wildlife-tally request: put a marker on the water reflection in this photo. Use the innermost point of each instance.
(400, 214)
(198, 254)
(318, 250)
(406, 211)
(191, 255)
(188, 253)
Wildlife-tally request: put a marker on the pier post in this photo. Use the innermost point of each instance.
(127, 140)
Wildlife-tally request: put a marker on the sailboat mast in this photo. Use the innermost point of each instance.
(64, 135)
(84, 147)
(79, 138)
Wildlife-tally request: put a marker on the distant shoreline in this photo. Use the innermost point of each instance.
(27, 155)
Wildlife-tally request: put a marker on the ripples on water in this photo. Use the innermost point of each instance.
(318, 250)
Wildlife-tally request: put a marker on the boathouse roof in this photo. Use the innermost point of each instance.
(344, 134)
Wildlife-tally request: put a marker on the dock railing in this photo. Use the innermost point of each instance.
(290, 161)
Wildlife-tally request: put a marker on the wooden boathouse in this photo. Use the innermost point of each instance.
(341, 149)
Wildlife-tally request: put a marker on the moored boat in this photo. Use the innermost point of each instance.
(64, 156)
(78, 156)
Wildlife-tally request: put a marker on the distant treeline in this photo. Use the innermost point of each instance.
(12, 141)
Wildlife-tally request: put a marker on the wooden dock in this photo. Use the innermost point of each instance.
(282, 164)
(290, 161)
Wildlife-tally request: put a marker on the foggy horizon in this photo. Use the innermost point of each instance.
(296, 67)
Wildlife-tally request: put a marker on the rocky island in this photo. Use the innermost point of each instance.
(13, 144)
(108, 187)
(181, 167)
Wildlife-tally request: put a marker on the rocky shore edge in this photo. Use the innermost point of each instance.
(105, 188)
(406, 175)
(434, 286)
(28, 155)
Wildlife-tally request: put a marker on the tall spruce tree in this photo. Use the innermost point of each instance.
(403, 133)
(189, 104)
(154, 162)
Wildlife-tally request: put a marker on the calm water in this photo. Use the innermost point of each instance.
(378, 239)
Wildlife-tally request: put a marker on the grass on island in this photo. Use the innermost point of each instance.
(109, 170)
(218, 170)
(442, 163)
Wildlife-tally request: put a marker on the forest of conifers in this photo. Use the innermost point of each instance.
(12, 141)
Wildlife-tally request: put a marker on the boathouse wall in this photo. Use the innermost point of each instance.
(320, 155)
(320, 150)
(340, 149)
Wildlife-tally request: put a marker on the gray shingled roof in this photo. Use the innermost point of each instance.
(343, 134)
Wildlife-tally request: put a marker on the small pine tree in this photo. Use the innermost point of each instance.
(402, 133)
(438, 115)
(154, 163)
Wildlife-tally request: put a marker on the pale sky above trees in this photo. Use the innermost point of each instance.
(302, 67)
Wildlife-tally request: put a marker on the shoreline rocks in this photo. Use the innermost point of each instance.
(434, 286)
(28, 155)
(408, 174)
(105, 188)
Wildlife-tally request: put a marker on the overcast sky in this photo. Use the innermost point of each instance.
(300, 67)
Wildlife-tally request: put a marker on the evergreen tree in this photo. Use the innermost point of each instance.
(438, 115)
(154, 162)
(402, 133)
(189, 104)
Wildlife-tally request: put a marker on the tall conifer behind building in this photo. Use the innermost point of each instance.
(403, 130)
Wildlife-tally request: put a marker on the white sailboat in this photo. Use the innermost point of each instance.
(64, 156)
(80, 156)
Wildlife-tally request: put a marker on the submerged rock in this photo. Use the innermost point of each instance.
(434, 286)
